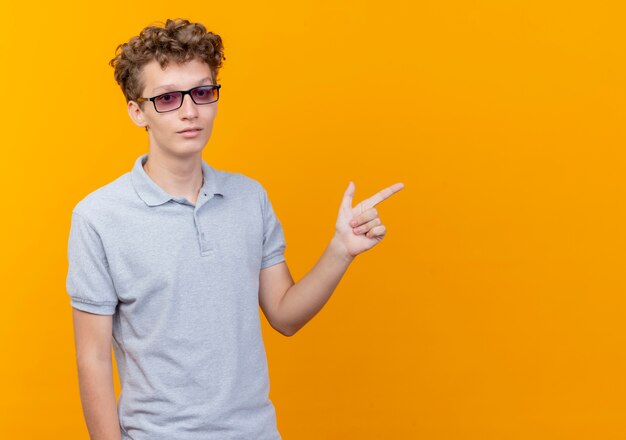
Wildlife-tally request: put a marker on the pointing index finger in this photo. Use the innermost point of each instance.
(382, 195)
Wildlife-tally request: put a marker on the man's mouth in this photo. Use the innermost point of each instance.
(190, 129)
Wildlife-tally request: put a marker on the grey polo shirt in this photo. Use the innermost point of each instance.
(182, 284)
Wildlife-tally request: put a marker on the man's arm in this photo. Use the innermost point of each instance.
(288, 306)
(92, 336)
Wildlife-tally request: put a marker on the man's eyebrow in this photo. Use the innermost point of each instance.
(170, 87)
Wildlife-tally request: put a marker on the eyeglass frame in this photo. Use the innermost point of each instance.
(184, 92)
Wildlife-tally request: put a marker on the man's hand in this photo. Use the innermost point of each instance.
(359, 228)
(288, 310)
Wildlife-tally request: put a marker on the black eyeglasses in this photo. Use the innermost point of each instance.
(173, 100)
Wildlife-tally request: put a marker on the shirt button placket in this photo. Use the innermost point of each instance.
(205, 246)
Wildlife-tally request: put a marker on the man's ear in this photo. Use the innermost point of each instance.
(136, 114)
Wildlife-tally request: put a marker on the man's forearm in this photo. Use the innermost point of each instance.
(98, 400)
(305, 298)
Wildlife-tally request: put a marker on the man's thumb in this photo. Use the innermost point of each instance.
(347, 196)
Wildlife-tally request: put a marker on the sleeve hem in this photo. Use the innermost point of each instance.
(271, 261)
(100, 308)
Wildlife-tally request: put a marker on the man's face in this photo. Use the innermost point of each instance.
(164, 128)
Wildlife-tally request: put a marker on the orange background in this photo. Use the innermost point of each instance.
(493, 309)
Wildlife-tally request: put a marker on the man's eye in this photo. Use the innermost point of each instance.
(165, 98)
(202, 93)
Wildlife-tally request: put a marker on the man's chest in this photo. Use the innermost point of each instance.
(178, 249)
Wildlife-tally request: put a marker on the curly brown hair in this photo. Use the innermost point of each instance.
(179, 41)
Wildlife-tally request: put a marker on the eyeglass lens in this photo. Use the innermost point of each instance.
(173, 100)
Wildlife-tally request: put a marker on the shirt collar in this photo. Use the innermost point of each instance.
(153, 195)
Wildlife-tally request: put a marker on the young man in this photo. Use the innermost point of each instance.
(171, 261)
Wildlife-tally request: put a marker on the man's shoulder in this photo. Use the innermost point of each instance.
(105, 198)
(237, 183)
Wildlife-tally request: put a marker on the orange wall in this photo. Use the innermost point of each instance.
(494, 307)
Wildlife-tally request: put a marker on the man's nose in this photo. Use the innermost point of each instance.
(188, 107)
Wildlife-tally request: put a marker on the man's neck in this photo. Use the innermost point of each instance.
(180, 177)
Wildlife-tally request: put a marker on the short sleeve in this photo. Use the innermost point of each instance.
(273, 235)
(88, 282)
